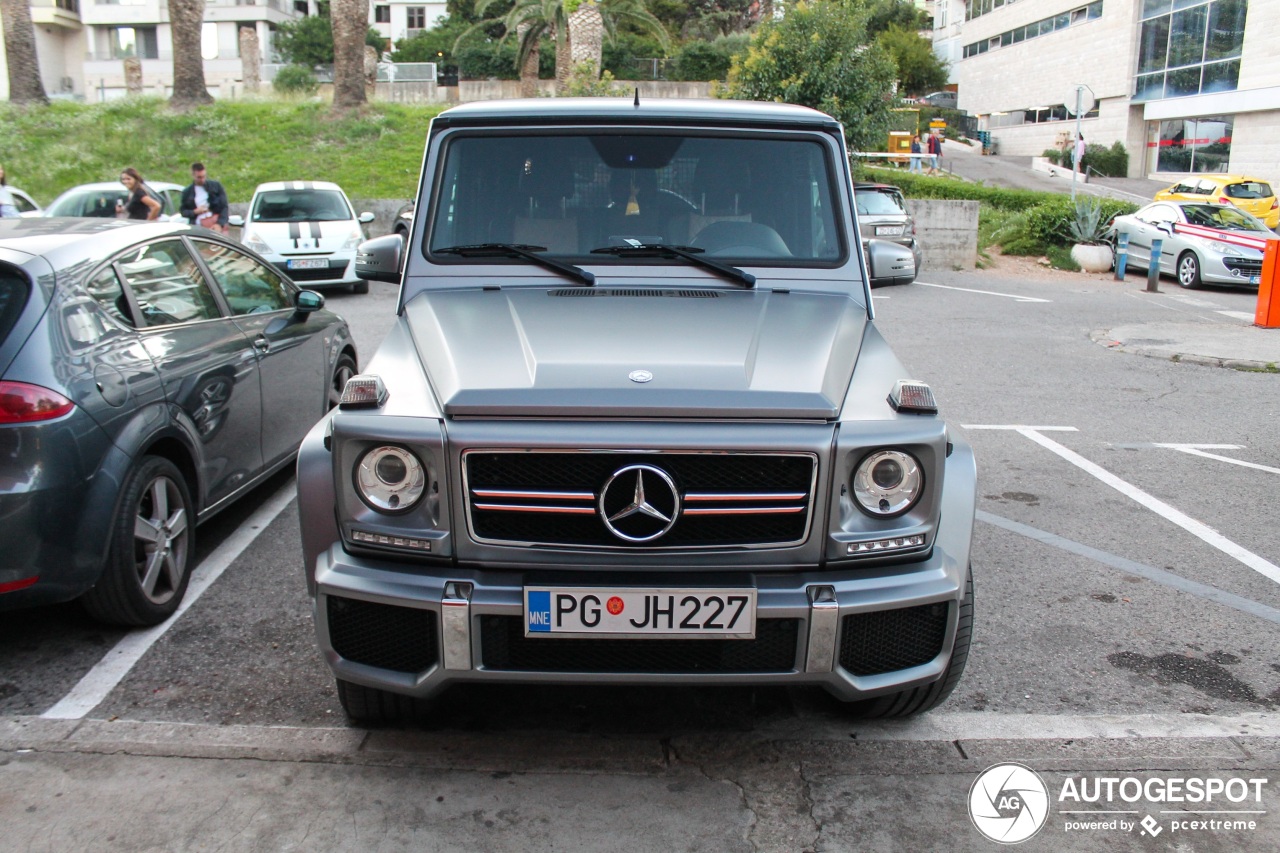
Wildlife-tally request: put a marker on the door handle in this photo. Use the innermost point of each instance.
(261, 344)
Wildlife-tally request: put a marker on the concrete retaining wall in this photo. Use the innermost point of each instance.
(947, 231)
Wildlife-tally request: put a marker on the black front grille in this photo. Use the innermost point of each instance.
(382, 635)
(504, 647)
(889, 640)
(334, 270)
(1247, 266)
(778, 520)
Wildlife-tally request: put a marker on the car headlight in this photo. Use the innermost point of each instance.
(251, 240)
(390, 479)
(1226, 248)
(355, 238)
(887, 483)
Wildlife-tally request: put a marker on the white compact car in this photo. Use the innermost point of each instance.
(308, 230)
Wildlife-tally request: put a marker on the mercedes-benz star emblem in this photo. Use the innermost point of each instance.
(639, 503)
(639, 376)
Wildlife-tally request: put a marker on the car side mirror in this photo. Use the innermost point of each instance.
(236, 219)
(366, 217)
(889, 263)
(307, 301)
(379, 259)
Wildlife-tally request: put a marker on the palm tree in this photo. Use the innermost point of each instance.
(186, 17)
(350, 21)
(20, 50)
(531, 20)
(596, 20)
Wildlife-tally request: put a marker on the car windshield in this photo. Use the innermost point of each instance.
(740, 198)
(100, 203)
(878, 203)
(1228, 218)
(300, 206)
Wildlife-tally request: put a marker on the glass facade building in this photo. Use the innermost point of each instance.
(1189, 47)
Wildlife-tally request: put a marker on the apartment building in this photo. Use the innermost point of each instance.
(1188, 86)
(81, 44)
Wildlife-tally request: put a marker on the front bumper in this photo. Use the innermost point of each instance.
(857, 632)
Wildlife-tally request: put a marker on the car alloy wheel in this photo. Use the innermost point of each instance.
(146, 572)
(342, 371)
(1189, 270)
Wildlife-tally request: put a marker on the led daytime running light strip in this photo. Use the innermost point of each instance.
(897, 543)
(391, 541)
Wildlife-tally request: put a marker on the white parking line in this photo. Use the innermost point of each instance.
(1239, 315)
(115, 665)
(1012, 296)
(1198, 450)
(1198, 529)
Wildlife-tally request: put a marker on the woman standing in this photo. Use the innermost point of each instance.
(139, 205)
(916, 151)
(7, 206)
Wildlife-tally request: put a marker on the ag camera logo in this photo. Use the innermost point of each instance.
(1008, 803)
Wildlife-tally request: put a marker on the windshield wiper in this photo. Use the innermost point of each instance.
(688, 253)
(520, 250)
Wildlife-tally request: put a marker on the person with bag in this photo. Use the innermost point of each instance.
(139, 204)
(8, 209)
(935, 152)
(204, 201)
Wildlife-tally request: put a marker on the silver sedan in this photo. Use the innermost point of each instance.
(1200, 243)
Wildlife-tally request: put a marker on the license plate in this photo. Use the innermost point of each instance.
(1255, 279)
(888, 230)
(613, 612)
(308, 264)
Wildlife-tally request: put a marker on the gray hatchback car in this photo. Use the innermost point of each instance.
(150, 374)
(633, 423)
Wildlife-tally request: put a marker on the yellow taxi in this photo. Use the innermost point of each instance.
(1249, 194)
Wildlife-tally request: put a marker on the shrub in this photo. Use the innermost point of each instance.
(583, 82)
(1053, 155)
(295, 80)
(1049, 222)
(702, 60)
(1110, 162)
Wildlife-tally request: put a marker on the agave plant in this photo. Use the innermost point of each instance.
(1086, 225)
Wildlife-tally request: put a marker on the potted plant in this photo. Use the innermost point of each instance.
(1091, 251)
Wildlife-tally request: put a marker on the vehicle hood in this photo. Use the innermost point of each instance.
(305, 238)
(579, 352)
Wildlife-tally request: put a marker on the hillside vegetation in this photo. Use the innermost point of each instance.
(377, 154)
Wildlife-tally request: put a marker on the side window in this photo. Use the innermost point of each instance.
(105, 288)
(249, 287)
(167, 284)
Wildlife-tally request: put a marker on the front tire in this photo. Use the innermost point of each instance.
(147, 567)
(917, 700)
(342, 371)
(1189, 270)
(370, 706)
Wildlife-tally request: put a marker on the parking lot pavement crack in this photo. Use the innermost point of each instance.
(753, 819)
(771, 786)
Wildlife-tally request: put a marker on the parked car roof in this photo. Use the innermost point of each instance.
(52, 237)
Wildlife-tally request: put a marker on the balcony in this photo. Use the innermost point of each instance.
(56, 13)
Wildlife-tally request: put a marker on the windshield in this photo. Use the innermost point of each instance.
(741, 198)
(300, 206)
(1230, 218)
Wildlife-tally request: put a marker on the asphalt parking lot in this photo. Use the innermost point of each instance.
(1128, 627)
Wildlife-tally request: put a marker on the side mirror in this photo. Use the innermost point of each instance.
(366, 217)
(236, 219)
(889, 263)
(307, 301)
(379, 259)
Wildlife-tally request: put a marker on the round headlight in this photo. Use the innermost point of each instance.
(887, 483)
(390, 479)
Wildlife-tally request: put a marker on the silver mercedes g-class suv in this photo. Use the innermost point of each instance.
(634, 424)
